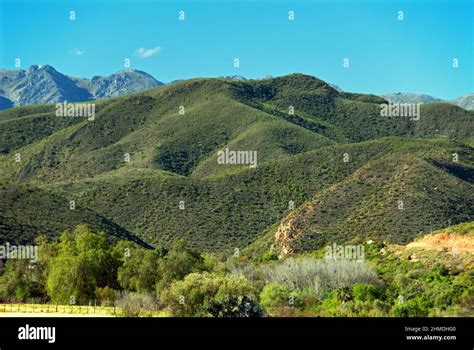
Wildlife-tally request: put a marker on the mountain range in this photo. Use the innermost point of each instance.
(44, 84)
(399, 97)
(466, 101)
(330, 168)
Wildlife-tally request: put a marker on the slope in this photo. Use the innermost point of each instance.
(27, 212)
(392, 199)
(231, 210)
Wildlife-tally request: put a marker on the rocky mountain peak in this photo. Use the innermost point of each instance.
(44, 84)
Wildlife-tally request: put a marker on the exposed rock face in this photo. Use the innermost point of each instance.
(402, 97)
(287, 232)
(120, 83)
(466, 102)
(445, 242)
(39, 84)
(43, 84)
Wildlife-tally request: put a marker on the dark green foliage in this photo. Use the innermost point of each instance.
(179, 262)
(26, 212)
(205, 294)
(21, 281)
(366, 292)
(343, 294)
(140, 269)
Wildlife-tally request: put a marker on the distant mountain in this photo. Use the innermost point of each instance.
(234, 77)
(39, 84)
(118, 84)
(44, 84)
(335, 87)
(466, 102)
(175, 81)
(401, 97)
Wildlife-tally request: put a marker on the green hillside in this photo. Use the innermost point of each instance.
(335, 158)
(28, 212)
(392, 199)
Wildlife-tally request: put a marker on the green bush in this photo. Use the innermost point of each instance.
(275, 295)
(140, 269)
(207, 294)
(330, 305)
(416, 307)
(267, 256)
(366, 292)
(20, 281)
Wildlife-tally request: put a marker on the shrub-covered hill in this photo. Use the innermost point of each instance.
(347, 117)
(145, 153)
(181, 127)
(232, 210)
(26, 213)
(392, 199)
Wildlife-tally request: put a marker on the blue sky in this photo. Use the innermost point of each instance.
(385, 54)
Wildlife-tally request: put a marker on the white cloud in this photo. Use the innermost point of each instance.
(144, 53)
(77, 52)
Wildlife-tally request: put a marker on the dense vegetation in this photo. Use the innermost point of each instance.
(329, 170)
(82, 268)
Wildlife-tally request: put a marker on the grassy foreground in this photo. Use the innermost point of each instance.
(51, 310)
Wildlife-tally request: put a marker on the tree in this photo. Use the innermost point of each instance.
(83, 262)
(20, 281)
(140, 269)
(179, 262)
